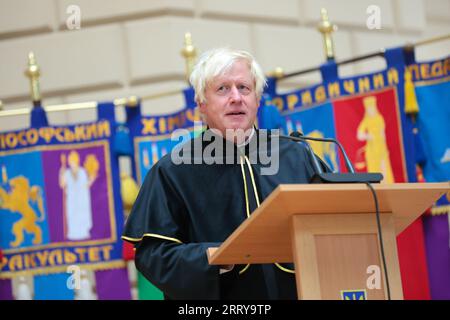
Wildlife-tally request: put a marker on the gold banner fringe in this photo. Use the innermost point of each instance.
(440, 210)
(411, 106)
(118, 264)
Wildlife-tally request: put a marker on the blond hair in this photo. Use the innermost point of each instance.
(217, 61)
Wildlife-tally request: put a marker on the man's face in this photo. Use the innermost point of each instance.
(231, 101)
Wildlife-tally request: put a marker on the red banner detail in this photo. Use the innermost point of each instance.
(369, 128)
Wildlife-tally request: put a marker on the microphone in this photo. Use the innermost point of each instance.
(315, 162)
(331, 177)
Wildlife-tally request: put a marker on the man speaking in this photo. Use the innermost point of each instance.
(196, 198)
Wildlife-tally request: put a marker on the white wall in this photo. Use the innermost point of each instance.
(129, 47)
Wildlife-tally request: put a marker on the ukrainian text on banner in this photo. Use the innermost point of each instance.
(432, 84)
(60, 198)
(365, 113)
(152, 135)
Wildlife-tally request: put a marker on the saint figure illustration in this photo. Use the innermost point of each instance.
(372, 130)
(76, 182)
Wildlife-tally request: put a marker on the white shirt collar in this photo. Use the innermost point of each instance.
(248, 139)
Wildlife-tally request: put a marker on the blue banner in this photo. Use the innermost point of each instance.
(60, 199)
(152, 138)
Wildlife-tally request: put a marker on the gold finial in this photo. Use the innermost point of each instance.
(132, 101)
(189, 53)
(278, 73)
(33, 73)
(326, 28)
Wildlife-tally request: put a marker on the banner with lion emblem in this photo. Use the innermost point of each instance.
(59, 198)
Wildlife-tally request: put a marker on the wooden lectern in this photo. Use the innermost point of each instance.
(330, 233)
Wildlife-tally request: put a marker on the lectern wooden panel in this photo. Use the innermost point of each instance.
(329, 231)
(345, 249)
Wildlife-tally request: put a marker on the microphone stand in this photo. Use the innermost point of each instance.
(332, 177)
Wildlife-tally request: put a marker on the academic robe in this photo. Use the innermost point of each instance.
(182, 209)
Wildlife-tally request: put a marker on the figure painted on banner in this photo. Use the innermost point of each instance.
(155, 156)
(145, 159)
(76, 181)
(183, 208)
(23, 289)
(372, 129)
(323, 150)
(289, 126)
(18, 198)
(298, 126)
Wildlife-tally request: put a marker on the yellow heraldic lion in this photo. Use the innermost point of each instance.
(18, 201)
